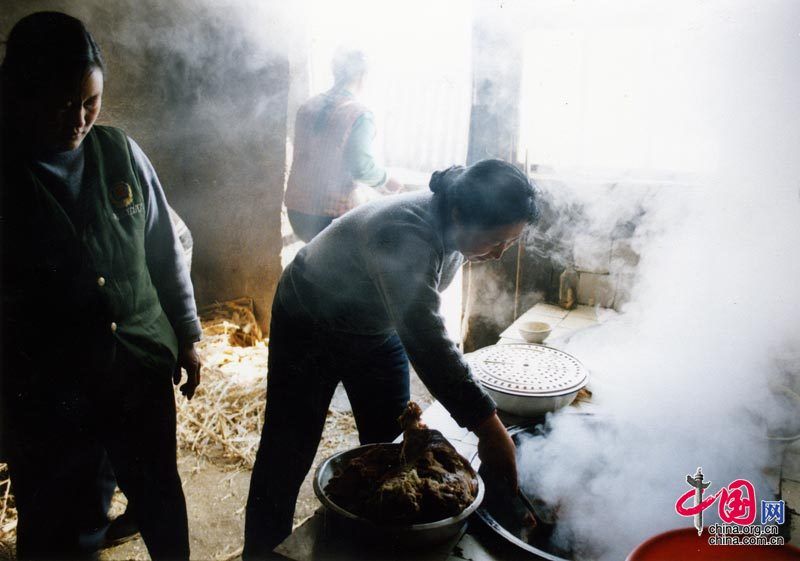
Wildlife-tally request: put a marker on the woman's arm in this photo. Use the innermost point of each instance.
(497, 450)
(406, 269)
(359, 154)
(169, 271)
(165, 259)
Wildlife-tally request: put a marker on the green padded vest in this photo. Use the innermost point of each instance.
(81, 286)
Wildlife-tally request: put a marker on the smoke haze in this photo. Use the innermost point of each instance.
(682, 378)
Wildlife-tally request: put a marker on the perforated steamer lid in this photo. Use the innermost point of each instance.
(526, 369)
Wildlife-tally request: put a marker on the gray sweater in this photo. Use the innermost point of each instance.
(62, 174)
(378, 269)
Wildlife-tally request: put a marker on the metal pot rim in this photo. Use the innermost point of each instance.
(558, 393)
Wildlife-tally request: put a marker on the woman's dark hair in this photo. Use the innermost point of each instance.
(47, 51)
(487, 194)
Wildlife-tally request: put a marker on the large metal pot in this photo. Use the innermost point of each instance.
(528, 380)
(531, 406)
(392, 535)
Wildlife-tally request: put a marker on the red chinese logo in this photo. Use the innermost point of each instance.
(737, 503)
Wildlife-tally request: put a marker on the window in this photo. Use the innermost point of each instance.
(419, 85)
(613, 93)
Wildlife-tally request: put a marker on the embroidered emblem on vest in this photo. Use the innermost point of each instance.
(122, 198)
(121, 195)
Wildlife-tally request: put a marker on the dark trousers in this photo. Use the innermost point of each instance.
(58, 432)
(305, 365)
(307, 226)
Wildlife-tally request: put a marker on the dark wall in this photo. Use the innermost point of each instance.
(202, 87)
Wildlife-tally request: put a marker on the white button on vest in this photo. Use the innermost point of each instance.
(113, 327)
(101, 281)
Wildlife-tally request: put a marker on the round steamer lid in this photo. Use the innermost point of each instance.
(526, 369)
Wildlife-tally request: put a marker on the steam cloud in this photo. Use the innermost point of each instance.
(685, 377)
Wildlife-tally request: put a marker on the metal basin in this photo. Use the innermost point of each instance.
(389, 534)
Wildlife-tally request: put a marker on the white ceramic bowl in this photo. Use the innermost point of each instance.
(535, 331)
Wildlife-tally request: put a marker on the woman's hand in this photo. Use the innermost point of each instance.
(497, 451)
(393, 186)
(189, 361)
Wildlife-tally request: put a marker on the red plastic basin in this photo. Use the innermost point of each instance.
(685, 545)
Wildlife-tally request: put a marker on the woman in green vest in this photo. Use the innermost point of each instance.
(98, 314)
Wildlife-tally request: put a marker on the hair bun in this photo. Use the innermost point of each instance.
(442, 180)
(437, 179)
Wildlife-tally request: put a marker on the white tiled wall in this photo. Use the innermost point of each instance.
(596, 289)
(605, 269)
